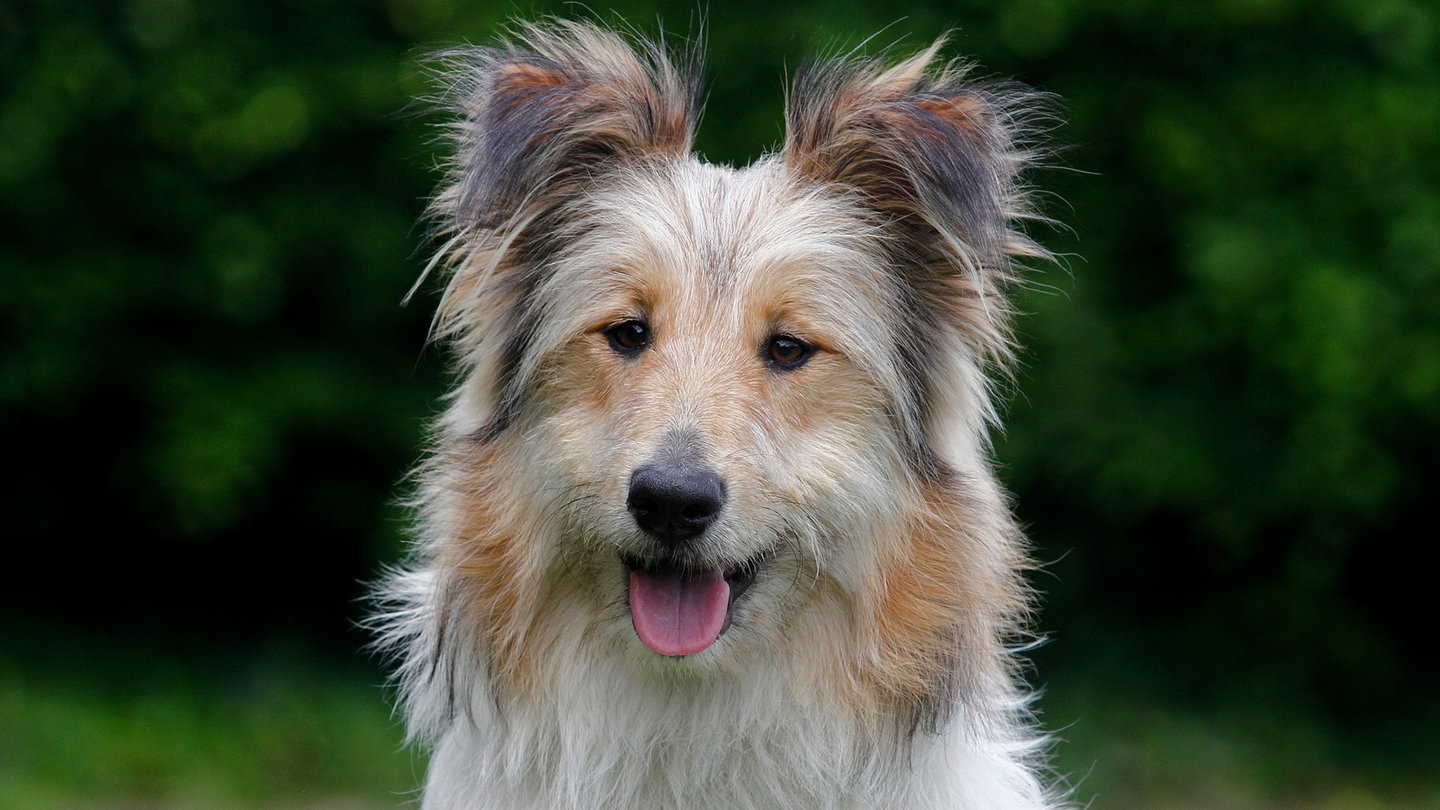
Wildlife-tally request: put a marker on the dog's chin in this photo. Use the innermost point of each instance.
(681, 608)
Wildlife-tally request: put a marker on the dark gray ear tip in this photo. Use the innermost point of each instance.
(546, 109)
(915, 138)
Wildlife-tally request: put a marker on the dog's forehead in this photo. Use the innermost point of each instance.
(735, 233)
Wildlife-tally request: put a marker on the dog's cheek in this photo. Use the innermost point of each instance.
(582, 401)
(830, 434)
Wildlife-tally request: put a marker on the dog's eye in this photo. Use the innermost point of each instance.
(785, 352)
(628, 337)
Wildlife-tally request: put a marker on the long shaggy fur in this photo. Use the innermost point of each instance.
(814, 335)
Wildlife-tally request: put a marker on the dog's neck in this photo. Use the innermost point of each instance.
(745, 741)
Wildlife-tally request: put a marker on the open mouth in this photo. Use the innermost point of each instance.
(681, 610)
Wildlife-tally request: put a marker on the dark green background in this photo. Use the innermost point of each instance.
(1223, 434)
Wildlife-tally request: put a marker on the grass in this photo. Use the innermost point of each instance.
(280, 730)
(286, 730)
(1122, 748)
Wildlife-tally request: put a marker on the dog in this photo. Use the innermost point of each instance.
(709, 519)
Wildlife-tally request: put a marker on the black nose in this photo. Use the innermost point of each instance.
(675, 501)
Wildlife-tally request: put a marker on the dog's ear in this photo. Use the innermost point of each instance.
(541, 115)
(938, 158)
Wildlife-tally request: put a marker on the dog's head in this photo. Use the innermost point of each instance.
(710, 414)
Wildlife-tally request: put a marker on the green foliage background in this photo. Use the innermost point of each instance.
(1223, 435)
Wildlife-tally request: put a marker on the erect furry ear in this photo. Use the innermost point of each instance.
(939, 159)
(556, 105)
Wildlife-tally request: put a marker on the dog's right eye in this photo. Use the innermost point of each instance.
(628, 337)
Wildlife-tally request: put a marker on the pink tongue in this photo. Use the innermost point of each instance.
(676, 616)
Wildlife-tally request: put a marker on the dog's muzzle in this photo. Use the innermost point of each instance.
(679, 607)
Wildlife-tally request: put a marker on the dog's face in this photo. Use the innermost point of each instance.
(709, 414)
(716, 404)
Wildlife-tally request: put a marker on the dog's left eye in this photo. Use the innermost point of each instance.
(786, 352)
